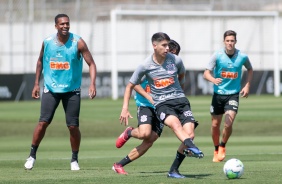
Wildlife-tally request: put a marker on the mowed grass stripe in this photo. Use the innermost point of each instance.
(262, 162)
(256, 140)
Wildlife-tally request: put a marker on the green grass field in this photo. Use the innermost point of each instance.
(256, 141)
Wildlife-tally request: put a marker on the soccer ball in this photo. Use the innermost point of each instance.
(233, 168)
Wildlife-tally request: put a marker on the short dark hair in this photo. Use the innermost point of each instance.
(59, 16)
(173, 45)
(160, 36)
(230, 33)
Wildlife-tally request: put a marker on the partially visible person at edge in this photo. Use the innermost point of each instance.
(61, 60)
(149, 129)
(226, 65)
(168, 99)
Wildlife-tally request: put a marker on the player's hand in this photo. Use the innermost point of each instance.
(217, 81)
(245, 92)
(92, 91)
(35, 92)
(151, 100)
(125, 114)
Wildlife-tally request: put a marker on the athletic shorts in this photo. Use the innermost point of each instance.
(71, 105)
(222, 103)
(179, 107)
(147, 115)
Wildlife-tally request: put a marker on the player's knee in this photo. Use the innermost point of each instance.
(73, 128)
(144, 135)
(42, 125)
(215, 125)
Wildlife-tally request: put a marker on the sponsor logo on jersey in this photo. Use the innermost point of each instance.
(163, 97)
(59, 65)
(229, 75)
(233, 103)
(162, 83)
(54, 85)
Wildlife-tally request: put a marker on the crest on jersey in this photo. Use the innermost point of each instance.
(170, 68)
(162, 116)
(143, 118)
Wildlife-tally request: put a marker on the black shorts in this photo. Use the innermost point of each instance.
(146, 115)
(179, 107)
(222, 103)
(71, 105)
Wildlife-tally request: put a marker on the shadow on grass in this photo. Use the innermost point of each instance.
(186, 175)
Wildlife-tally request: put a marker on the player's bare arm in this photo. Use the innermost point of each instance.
(125, 114)
(36, 89)
(246, 89)
(208, 76)
(142, 92)
(181, 79)
(83, 49)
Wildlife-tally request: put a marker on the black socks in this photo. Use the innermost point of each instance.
(74, 156)
(177, 161)
(129, 133)
(124, 161)
(189, 143)
(33, 151)
(222, 144)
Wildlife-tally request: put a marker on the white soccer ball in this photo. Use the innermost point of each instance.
(233, 168)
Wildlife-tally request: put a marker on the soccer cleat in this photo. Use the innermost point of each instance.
(193, 152)
(175, 174)
(74, 166)
(123, 138)
(119, 169)
(29, 163)
(221, 153)
(215, 154)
